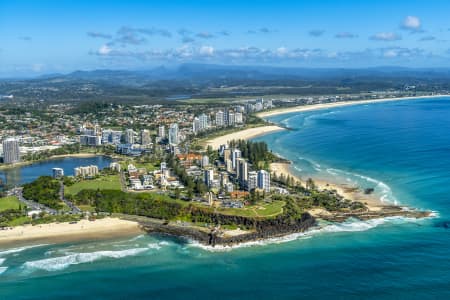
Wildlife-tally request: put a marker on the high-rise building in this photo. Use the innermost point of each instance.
(238, 118)
(229, 165)
(173, 134)
(129, 136)
(162, 131)
(252, 181)
(205, 161)
(209, 176)
(145, 137)
(90, 140)
(196, 125)
(220, 118)
(264, 180)
(226, 154)
(231, 118)
(11, 151)
(234, 156)
(242, 170)
(57, 172)
(111, 137)
(203, 122)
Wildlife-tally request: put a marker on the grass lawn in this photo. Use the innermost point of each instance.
(260, 210)
(86, 208)
(110, 182)
(10, 202)
(19, 221)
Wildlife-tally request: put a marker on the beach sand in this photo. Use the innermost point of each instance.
(242, 135)
(348, 192)
(64, 232)
(303, 108)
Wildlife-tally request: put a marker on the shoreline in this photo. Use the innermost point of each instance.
(348, 192)
(245, 134)
(67, 232)
(312, 107)
(28, 163)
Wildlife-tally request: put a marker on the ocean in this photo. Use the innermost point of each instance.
(401, 149)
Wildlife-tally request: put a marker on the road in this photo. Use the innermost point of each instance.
(74, 209)
(32, 204)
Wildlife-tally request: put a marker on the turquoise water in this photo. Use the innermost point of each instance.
(25, 174)
(402, 149)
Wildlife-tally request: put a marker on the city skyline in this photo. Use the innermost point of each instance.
(64, 37)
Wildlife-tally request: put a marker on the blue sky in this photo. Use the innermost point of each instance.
(61, 36)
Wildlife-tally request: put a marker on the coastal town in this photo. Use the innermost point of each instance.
(199, 158)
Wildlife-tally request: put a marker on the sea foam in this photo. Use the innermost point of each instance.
(20, 249)
(3, 269)
(62, 262)
(351, 225)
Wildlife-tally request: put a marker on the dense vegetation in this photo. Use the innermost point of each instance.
(257, 153)
(44, 190)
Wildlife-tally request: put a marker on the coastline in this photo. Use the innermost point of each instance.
(65, 232)
(304, 108)
(245, 134)
(348, 192)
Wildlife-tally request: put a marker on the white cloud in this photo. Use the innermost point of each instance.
(104, 50)
(206, 50)
(386, 36)
(282, 51)
(411, 23)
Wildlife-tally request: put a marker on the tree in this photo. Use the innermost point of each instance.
(310, 185)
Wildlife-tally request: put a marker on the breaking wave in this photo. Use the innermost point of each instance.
(62, 262)
(20, 249)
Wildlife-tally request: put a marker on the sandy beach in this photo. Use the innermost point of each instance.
(303, 108)
(348, 192)
(62, 232)
(242, 135)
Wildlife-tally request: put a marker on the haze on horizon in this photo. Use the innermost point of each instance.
(39, 37)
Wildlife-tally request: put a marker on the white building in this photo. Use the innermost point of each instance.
(235, 154)
(11, 151)
(111, 137)
(162, 131)
(220, 118)
(264, 180)
(242, 170)
(252, 181)
(196, 125)
(205, 161)
(174, 138)
(129, 136)
(57, 172)
(90, 140)
(145, 137)
(238, 118)
(88, 171)
(231, 118)
(114, 166)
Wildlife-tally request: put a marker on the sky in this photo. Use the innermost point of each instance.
(60, 36)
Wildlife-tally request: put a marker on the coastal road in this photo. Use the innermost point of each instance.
(32, 204)
(74, 209)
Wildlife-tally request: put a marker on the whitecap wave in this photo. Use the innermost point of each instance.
(62, 262)
(383, 189)
(2, 260)
(20, 249)
(3, 269)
